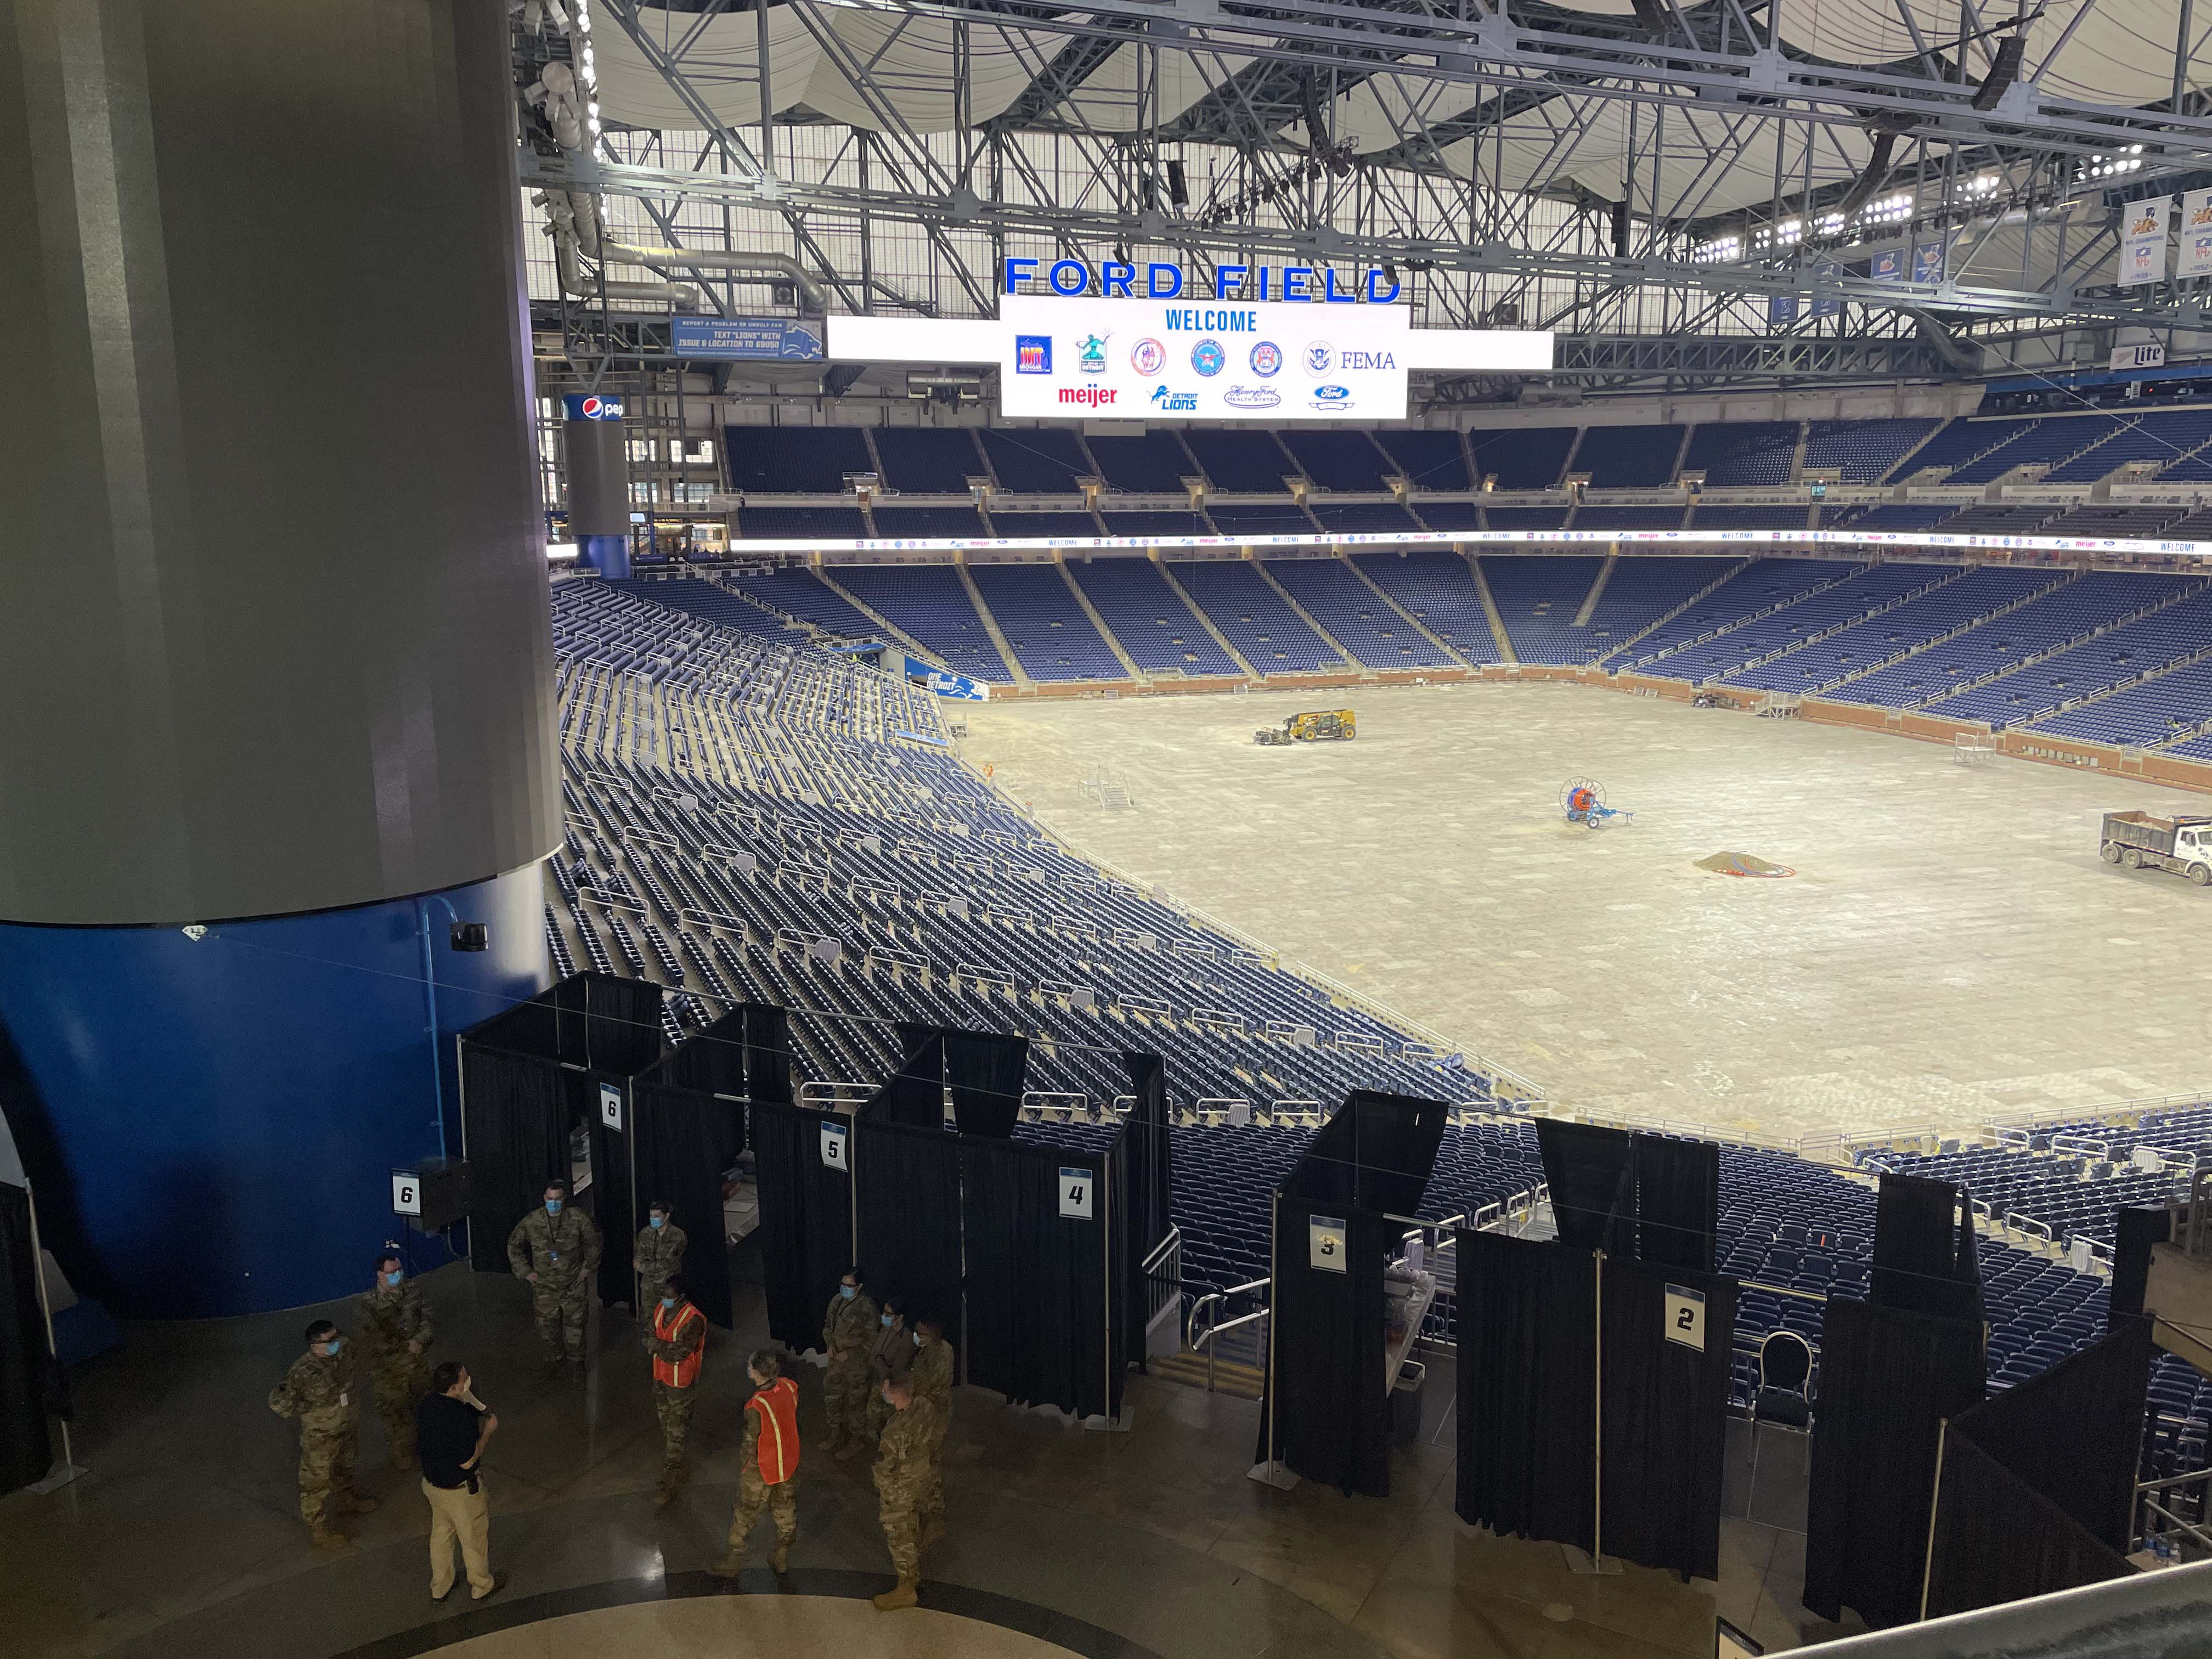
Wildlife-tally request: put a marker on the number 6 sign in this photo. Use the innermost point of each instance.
(406, 1193)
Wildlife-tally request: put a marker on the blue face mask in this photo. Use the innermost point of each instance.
(848, 1291)
(334, 1344)
(887, 1322)
(667, 1301)
(552, 1206)
(917, 1339)
(394, 1278)
(655, 1221)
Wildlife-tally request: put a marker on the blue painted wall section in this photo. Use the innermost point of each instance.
(213, 1125)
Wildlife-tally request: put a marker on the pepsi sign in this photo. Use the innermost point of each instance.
(591, 406)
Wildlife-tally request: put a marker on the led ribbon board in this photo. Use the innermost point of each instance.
(1201, 360)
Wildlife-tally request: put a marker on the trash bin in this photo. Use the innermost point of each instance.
(1406, 1403)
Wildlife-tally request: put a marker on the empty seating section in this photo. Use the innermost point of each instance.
(1905, 628)
(1156, 523)
(1038, 460)
(2074, 1197)
(1537, 599)
(2134, 524)
(1014, 526)
(1155, 464)
(1722, 516)
(1526, 518)
(708, 602)
(1348, 461)
(2067, 612)
(1450, 515)
(1642, 589)
(2197, 527)
(1365, 517)
(1863, 452)
(1522, 458)
(929, 603)
(1999, 520)
(1628, 457)
(2194, 469)
(2042, 443)
(1043, 621)
(1265, 630)
(1957, 445)
(924, 460)
(1149, 617)
(1759, 587)
(889, 883)
(1286, 521)
(839, 524)
(1360, 620)
(920, 523)
(795, 460)
(1834, 606)
(1429, 460)
(1657, 517)
(2160, 709)
(1897, 516)
(2154, 441)
(1436, 586)
(2118, 654)
(802, 594)
(1742, 453)
(1240, 462)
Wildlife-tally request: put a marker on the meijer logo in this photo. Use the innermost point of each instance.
(1091, 396)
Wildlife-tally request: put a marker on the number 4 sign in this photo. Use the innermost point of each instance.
(1685, 1317)
(1075, 1187)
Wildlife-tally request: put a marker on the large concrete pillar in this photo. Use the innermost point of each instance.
(274, 635)
(593, 440)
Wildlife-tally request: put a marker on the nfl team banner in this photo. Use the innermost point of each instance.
(2143, 241)
(2196, 235)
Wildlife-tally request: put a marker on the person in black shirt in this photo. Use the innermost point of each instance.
(452, 1429)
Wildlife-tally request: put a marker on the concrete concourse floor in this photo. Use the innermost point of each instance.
(1950, 947)
(184, 1539)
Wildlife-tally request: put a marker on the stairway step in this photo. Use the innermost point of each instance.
(1244, 1381)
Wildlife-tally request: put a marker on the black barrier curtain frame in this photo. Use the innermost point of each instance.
(1038, 1225)
(598, 1098)
(1147, 1147)
(683, 1140)
(1667, 1350)
(914, 1095)
(1586, 1166)
(768, 1052)
(906, 1200)
(1329, 1414)
(514, 1128)
(1997, 1539)
(805, 1218)
(25, 1452)
(1889, 1377)
(1527, 1388)
(1924, 1251)
(984, 1071)
(1677, 1201)
(611, 1024)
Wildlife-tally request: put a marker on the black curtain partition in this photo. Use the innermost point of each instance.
(1041, 1308)
(914, 1095)
(25, 1453)
(766, 1032)
(1677, 1201)
(906, 1188)
(1925, 1258)
(2139, 1231)
(1999, 1539)
(1528, 1362)
(515, 1122)
(609, 1023)
(1665, 1417)
(1376, 1153)
(805, 1217)
(593, 1095)
(1327, 1417)
(685, 1139)
(1889, 1377)
(1586, 1167)
(984, 1070)
(1147, 1149)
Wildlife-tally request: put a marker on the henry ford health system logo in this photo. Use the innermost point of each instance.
(1251, 397)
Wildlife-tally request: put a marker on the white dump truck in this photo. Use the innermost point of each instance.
(2183, 845)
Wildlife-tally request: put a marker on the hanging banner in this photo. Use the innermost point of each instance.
(738, 339)
(2196, 235)
(1888, 265)
(944, 683)
(2143, 241)
(1928, 260)
(1325, 1243)
(1781, 310)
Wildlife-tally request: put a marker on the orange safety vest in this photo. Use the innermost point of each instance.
(677, 1373)
(778, 1447)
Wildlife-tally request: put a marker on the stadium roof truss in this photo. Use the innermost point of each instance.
(1644, 183)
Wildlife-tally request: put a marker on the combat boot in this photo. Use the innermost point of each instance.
(355, 1503)
(326, 1537)
(779, 1558)
(664, 1493)
(892, 1600)
(728, 1567)
(400, 1461)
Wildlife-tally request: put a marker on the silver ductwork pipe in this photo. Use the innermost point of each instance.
(770, 266)
(682, 295)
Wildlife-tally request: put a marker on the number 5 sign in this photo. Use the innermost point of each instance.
(833, 1146)
(1075, 1187)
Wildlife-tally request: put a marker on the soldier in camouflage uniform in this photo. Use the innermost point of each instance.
(932, 1377)
(674, 1338)
(656, 1252)
(555, 1250)
(318, 1390)
(395, 1331)
(772, 1412)
(849, 1329)
(902, 1473)
(891, 1355)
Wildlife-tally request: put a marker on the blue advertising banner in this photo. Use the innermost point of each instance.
(1888, 265)
(772, 338)
(1928, 261)
(946, 682)
(1781, 310)
(590, 406)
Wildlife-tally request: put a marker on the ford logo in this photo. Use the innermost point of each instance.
(1331, 394)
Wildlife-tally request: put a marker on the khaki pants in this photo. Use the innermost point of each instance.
(457, 1513)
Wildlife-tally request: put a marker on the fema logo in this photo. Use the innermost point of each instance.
(1267, 359)
(1146, 356)
(1032, 353)
(1208, 358)
(1319, 358)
